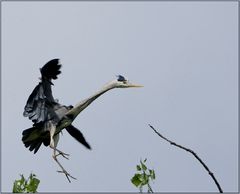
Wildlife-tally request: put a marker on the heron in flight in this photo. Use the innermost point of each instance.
(49, 117)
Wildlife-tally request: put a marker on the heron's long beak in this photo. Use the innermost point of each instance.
(130, 85)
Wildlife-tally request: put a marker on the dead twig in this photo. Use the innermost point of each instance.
(193, 153)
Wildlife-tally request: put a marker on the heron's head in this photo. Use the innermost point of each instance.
(122, 82)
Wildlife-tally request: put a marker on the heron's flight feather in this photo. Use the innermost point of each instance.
(51, 69)
(74, 132)
(41, 104)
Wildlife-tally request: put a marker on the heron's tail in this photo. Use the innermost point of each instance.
(33, 138)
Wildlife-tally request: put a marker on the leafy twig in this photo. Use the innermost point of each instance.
(23, 185)
(194, 154)
(143, 176)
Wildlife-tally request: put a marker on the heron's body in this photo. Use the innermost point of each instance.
(49, 117)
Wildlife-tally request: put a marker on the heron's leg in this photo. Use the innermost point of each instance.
(62, 154)
(63, 170)
(54, 141)
(53, 145)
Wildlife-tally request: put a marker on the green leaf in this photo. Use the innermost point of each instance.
(136, 180)
(150, 172)
(15, 187)
(145, 179)
(26, 185)
(33, 184)
(22, 180)
(18, 186)
(153, 175)
(138, 167)
(143, 166)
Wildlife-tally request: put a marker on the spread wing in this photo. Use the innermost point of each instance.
(40, 105)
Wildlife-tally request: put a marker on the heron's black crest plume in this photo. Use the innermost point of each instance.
(51, 69)
(120, 78)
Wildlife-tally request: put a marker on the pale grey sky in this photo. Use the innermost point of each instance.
(184, 53)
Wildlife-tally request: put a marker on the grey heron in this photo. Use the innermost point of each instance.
(49, 117)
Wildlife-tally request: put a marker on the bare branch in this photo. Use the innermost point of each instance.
(193, 153)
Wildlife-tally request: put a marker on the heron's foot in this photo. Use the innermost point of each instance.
(67, 175)
(62, 154)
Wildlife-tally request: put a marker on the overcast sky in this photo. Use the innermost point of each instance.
(184, 53)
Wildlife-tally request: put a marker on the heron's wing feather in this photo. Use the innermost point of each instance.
(40, 104)
(74, 132)
(51, 69)
(34, 137)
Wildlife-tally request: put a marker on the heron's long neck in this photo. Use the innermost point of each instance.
(79, 107)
